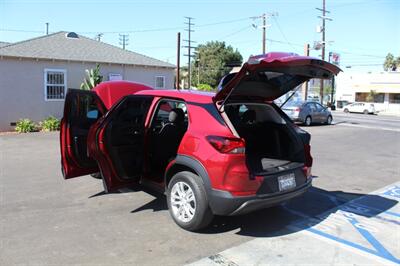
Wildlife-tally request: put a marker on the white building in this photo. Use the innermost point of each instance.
(355, 87)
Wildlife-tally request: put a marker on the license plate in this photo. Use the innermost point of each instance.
(286, 182)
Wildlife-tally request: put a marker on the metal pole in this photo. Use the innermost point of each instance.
(47, 28)
(264, 31)
(305, 84)
(321, 90)
(178, 60)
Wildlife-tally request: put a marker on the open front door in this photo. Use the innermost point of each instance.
(81, 110)
(120, 141)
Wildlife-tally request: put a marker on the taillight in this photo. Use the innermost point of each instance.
(307, 151)
(227, 145)
(307, 172)
(297, 109)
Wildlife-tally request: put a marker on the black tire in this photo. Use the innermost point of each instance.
(202, 215)
(346, 110)
(365, 112)
(308, 121)
(329, 120)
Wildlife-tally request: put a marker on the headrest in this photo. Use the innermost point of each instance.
(249, 116)
(176, 116)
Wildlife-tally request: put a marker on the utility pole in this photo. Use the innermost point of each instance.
(323, 44)
(123, 40)
(264, 31)
(98, 37)
(264, 18)
(178, 60)
(305, 84)
(189, 47)
(47, 28)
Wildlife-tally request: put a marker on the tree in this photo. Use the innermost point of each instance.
(371, 96)
(93, 78)
(391, 63)
(212, 61)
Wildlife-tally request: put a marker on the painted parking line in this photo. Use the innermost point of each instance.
(365, 230)
(368, 127)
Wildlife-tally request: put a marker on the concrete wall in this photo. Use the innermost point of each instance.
(22, 86)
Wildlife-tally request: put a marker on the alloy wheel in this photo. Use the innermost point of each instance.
(183, 202)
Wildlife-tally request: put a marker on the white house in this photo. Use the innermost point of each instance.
(35, 74)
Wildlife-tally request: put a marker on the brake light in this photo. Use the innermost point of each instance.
(227, 145)
(297, 109)
(307, 172)
(307, 151)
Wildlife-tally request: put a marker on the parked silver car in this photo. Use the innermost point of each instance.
(308, 112)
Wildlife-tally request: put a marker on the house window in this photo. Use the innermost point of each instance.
(160, 82)
(55, 84)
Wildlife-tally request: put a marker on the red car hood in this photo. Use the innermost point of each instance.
(271, 75)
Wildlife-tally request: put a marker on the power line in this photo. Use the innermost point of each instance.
(283, 34)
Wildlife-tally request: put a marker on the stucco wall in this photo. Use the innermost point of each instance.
(22, 86)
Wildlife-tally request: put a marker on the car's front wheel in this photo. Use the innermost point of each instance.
(187, 201)
(346, 110)
(365, 112)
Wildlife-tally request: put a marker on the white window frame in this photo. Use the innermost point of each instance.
(46, 70)
(155, 82)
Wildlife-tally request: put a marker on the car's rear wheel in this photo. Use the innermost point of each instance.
(308, 121)
(187, 201)
(366, 112)
(346, 110)
(329, 120)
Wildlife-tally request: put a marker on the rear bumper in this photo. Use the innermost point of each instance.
(223, 203)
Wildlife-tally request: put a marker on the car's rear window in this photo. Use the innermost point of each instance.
(251, 113)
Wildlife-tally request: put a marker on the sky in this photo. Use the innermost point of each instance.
(361, 31)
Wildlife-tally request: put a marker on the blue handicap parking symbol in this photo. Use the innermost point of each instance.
(393, 191)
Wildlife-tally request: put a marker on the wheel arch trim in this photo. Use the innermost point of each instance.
(184, 161)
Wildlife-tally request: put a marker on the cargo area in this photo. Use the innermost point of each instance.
(271, 144)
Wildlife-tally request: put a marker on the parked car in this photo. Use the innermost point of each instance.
(211, 154)
(358, 107)
(308, 113)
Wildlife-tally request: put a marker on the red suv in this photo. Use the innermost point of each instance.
(223, 153)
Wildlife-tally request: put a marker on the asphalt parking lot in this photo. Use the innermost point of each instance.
(351, 216)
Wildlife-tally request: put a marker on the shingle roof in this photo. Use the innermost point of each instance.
(59, 47)
(4, 44)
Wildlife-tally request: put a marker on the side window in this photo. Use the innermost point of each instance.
(161, 116)
(319, 107)
(312, 107)
(85, 110)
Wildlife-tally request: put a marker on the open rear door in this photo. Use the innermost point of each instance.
(81, 110)
(120, 142)
(269, 76)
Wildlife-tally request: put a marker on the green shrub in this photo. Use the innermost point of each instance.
(50, 124)
(25, 125)
(204, 87)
